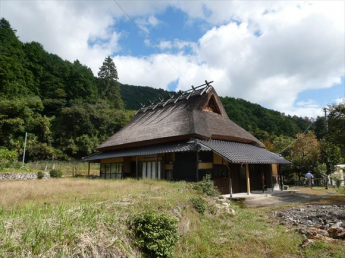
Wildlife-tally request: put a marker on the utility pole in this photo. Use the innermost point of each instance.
(26, 136)
(326, 131)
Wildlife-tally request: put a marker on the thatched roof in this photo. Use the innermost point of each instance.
(197, 113)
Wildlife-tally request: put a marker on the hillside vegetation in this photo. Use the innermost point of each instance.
(68, 112)
(80, 217)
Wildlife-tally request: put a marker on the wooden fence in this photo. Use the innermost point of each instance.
(319, 182)
(69, 168)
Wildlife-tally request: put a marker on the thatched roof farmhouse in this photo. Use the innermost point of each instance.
(184, 138)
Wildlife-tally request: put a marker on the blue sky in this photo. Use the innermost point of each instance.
(284, 55)
(324, 96)
(173, 24)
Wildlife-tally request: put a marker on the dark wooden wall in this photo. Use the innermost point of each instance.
(185, 166)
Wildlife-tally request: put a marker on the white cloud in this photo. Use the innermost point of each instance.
(306, 108)
(163, 45)
(180, 45)
(339, 101)
(147, 23)
(153, 21)
(300, 47)
(155, 71)
(291, 55)
(65, 28)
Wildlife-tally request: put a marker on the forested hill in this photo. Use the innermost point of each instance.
(134, 96)
(67, 111)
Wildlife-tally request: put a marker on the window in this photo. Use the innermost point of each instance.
(206, 156)
(111, 170)
(149, 170)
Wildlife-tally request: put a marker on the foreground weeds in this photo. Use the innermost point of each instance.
(89, 218)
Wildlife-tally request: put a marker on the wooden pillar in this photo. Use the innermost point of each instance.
(263, 183)
(88, 169)
(247, 179)
(136, 167)
(280, 178)
(230, 176)
(271, 176)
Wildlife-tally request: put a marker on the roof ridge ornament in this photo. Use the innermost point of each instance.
(171, 98)
(158, 103)
(179, 97)
(198, 90)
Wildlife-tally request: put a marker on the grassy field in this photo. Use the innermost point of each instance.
(81, 217)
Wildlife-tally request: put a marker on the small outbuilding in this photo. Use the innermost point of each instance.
(185, 138)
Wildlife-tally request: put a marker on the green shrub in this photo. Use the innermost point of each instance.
(55, 173)
(155, 234)
(206, 186)
(321, 170)
(40, 175)
(337, 180)
(7, 158)
(199, 204)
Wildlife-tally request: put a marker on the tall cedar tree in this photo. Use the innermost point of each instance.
(109, 88)
(336, 126)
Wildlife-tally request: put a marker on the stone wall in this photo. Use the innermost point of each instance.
(22, 176)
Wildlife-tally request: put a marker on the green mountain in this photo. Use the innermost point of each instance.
(67, 111)
(134, 96)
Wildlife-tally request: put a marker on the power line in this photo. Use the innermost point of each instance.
(152, 44)
(302, 133)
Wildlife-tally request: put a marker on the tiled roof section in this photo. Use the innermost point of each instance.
(145, 151)
(236, 152)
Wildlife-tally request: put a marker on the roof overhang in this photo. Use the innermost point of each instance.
(234, 152)
(145, 151)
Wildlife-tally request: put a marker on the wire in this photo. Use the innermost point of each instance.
(302, 133)
(152, 44)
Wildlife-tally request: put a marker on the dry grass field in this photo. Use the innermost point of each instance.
(68, 168)
(89, 218)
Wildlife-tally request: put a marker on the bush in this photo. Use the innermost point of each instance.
(337, 180)
(206, 186)
(40, 175)
(199, 204)
(321, 170)
(7, 158)
(155, 234)
(55, 173)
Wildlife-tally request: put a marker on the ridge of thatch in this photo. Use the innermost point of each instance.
(177, 118)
